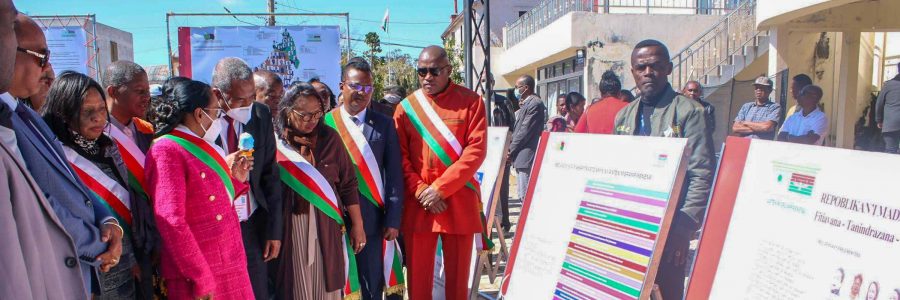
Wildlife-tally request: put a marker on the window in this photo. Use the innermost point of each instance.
(522, 12)
(113, 51)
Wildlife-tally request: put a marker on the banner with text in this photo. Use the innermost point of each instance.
(68, 48)
(593, 224)
(792, 221)
(295, 53)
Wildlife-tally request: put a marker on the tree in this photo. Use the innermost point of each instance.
(374, 43)
(455, 55)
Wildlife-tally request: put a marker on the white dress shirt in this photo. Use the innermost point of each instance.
(799, 125)
(360, 117)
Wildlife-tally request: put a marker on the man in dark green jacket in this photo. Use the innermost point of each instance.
(662, 112)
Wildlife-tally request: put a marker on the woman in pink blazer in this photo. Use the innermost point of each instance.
(191, 184)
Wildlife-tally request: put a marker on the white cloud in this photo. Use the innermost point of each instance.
(230, 2)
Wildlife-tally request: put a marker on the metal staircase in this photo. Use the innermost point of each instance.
(720, 53)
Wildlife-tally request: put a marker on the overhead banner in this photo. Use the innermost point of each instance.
(790, 221)
(487, 175)
(68, 48)
(295, 53)
(593, 225)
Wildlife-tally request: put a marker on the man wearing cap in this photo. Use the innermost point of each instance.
(392, 97)
(758, 119)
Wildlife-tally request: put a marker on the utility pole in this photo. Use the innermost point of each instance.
(271, 20)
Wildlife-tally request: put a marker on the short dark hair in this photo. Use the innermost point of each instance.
(610, 83)
(528, 81)
(653, 43)
(626, 95)
(356, 63)
(573, 98)
(62, 111)
(332, 97)
(181, 96)
(802, 79)
(296, 90)
(814, 89)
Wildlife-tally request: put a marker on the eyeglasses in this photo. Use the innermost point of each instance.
(43, 58)
(305, 117)
(434, 71)
(366, 89)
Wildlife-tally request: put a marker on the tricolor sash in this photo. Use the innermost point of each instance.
(133, 158)
(306, 181)
(203, 151)
(440, 140)
(371, 186)
(106, 190)
(443, 143)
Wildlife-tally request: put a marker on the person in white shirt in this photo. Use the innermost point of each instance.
(808, 125)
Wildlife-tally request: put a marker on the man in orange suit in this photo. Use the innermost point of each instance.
(442, 132)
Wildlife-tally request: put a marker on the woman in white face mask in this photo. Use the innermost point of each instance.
(192, 183)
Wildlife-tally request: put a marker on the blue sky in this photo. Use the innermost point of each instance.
(412, 22)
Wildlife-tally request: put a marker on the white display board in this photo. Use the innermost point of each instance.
(595, 222)
(68, 48)
(296, 53)
(812, 222)
(487, 175)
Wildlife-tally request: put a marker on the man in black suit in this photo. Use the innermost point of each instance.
(259, 210)
(381, 217)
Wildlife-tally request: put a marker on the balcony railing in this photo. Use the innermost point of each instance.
(712, 48)
(549, 11)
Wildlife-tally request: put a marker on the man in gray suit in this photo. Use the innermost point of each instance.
(37, 254)
(530, 121)
(887, 113)
(97, 235)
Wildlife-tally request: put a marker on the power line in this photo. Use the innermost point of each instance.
(390, 44)
(236, 18)
(372, 21)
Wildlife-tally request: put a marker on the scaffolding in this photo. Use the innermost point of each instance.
(89, 24)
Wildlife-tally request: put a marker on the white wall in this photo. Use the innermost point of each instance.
(772, 12)
(123, 39)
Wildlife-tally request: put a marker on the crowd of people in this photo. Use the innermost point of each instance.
(243, 188)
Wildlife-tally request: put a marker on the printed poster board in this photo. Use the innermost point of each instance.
(487, 175)
(68, 48)
(790, 221)
(295, 53)
(594, 221)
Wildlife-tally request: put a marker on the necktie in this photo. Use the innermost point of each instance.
(231, 136)
(355, 120)
(5, 116)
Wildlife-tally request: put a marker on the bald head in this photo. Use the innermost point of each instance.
(269, 89)
(26, 80)
(434, 70)
(692, 89)
(434, 53)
